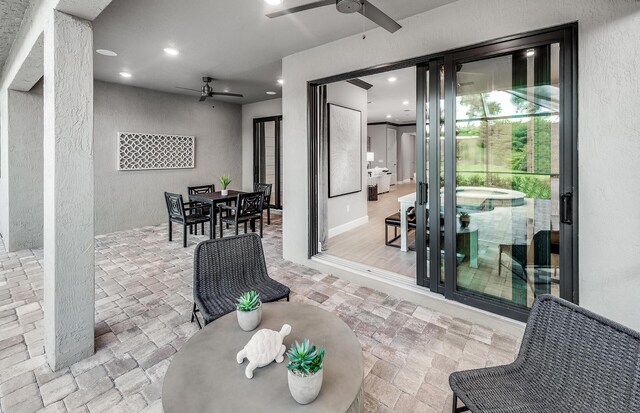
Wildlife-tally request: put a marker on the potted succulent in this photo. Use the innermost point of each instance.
(465, 219)
(249, 310)
(305, 371)
(225, 180)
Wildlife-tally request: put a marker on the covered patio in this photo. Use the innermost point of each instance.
(143, 306)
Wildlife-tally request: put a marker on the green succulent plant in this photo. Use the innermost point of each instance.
(464, 215)
(305, 358)
(224, 180)
(248, 301)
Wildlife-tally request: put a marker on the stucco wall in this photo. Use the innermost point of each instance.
(26, 163)
(131, 199)
(251, 111)
(609, 145)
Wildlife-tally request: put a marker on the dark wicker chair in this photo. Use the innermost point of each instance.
(223, 269)
(186, 214)
(571, 360)
(266, 190)
(248, 209)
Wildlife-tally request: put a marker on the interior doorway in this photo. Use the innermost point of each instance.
(267, 156)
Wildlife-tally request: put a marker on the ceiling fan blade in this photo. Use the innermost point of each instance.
(304, 7)
(186, 88)
(203, 98)
(235, 95)
(360, 83)
(377, 16)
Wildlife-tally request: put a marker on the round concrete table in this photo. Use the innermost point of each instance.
(205, 377)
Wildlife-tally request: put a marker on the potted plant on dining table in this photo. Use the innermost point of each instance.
(225, 180)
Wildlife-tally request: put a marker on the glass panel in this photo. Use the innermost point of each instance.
(507, 175)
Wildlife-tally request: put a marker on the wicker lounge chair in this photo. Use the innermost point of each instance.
(571, 360)
(224, 269)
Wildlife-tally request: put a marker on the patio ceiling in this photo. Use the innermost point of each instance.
(11, 13)
(229, 40)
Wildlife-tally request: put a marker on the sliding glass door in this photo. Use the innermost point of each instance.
(267, 155)
(496, 194)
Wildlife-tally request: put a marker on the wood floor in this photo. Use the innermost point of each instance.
(365, 244)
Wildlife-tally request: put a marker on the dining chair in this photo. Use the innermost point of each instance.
(247, 209)
(184, 213)
(206, 208)
(266, 190)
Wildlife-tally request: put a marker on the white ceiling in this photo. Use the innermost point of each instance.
(230, 40)
(11, 13)
(387, 98)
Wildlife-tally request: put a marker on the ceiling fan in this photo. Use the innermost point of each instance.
(363, 7)
(207, 91)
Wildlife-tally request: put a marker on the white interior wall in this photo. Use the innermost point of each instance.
(132, 199)
(609, 78)
(349, 211)
(251, 111)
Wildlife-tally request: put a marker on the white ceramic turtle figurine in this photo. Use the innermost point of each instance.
(264, 347)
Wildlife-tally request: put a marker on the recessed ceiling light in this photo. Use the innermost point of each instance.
(281, 81)
(406, 102)
(388, 116)
(530, 52)
(106, 52)
(171, 51)
(392, 79)
(226, 90)
(271, 93)
(273, 2)
(125, 74)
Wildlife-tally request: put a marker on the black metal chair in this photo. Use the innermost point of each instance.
(223, 269)
(393, 221)
(180, 212)
(248, 209)
(206, 208)
(266, 190)
(570, 360)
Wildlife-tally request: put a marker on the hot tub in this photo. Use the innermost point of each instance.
(485, 198)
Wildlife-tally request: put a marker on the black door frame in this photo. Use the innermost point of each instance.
(275, 193)
(567, 36)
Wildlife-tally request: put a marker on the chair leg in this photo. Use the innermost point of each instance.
(245, 227)
(261, 225)
(170, 231)
(268, 215)
(212, 232)
(237, 225)
(195, 316)
(202, 226)
(190, 229)
(184, 236)
(196, 225)
(454, 405)
(287, 297)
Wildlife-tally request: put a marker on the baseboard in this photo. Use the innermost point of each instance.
(348, 226)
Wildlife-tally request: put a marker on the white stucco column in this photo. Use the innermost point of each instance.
(69, 273)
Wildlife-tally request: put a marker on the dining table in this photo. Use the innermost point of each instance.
(213, 199)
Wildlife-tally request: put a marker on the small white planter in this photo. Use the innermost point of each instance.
(305, 389)
(225, 192)
(249, 320)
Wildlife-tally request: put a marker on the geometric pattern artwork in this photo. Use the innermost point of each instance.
(142, 151)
